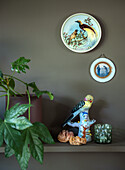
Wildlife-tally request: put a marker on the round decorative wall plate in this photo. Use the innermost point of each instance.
(102, 70)
(81, 32)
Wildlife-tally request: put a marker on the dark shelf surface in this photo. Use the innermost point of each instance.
(89, 147)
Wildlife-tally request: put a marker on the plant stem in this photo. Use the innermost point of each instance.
(15, 78)
(29, 102)
(14, 91)
(13, 73)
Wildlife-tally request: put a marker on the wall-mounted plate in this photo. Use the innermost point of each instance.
(81, 32)
(102, 70)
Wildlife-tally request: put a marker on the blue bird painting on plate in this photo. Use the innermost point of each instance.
(102, 70)
(81, 32)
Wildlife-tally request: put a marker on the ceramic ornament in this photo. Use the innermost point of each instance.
(81, 33)
(82, 109)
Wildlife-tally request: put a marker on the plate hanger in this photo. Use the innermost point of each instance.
(102, 56)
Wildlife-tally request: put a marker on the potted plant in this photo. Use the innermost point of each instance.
(21, 137)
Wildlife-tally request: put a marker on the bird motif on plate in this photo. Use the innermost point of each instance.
(91, 32)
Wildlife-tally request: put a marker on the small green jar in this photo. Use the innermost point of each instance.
(103, 133)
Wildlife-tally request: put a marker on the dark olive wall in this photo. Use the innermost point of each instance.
(31, 28)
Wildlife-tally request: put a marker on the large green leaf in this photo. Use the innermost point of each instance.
(16, 111)
(12, 138)
(43, 132)
(23, 159)
(20, 65)
(20, 123)
(1, 131)
(31, 144)
(38, 92)
(9, 151)
(11, 117)
(36, 146)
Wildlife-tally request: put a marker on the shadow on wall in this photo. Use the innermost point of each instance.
(54, 114)
(104, 31)
(95, 111)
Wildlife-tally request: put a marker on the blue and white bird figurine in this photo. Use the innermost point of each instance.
(82, 109)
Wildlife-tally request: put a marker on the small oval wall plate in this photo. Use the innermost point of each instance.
(81, 32)
(102, 70)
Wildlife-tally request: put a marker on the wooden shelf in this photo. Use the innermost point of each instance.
(89, 147)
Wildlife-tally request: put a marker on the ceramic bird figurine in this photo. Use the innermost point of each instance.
(82, 106)
(92, 34)
(84, 124)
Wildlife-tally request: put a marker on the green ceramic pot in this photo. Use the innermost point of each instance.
(103, 133)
